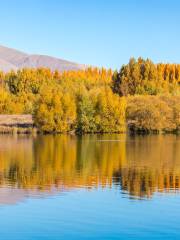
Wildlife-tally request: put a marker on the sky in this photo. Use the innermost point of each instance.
(94, 32)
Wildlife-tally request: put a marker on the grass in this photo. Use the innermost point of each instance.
(17, 124)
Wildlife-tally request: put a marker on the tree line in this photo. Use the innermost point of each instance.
(142, 94)
(143, 77)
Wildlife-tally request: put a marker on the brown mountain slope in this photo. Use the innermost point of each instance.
(11, 59)
(6, 66)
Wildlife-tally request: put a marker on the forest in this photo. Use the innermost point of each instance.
(142, 97)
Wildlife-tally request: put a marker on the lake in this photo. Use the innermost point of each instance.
(89, 187)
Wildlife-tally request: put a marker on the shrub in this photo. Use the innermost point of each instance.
(152, 113)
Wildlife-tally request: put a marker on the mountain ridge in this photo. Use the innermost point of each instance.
(12, 59)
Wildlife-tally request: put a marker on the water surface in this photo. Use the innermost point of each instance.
(90, 187)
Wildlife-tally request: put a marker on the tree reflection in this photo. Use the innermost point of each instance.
(137, 165)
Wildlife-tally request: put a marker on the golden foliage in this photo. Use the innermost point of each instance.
(146, 78)
(83, 101)
(153, 113)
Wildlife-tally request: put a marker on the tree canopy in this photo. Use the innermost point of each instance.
(96, 100)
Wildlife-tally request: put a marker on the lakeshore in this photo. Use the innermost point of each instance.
(24, 124)
(17, 124)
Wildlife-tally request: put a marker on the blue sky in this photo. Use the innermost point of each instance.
(96, 32)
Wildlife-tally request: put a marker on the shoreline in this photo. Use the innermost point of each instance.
(35, 131)
(23, 124)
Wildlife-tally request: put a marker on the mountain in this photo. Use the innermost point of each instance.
(6, 66)
(11, 59)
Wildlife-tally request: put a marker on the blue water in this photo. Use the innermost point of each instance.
(97, 211)
(97, 214)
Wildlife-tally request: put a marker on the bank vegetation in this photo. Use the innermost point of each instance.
(143, 96)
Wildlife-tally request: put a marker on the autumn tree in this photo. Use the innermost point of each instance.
(55, 111)
(146, 78)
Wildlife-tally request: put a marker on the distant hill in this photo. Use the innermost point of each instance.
(11, 59)
(6, 66)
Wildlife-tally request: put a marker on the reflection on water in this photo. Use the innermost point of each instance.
(137, 166)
